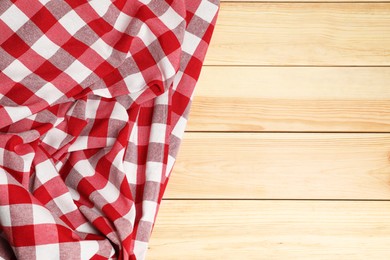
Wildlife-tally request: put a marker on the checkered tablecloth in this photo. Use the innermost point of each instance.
(94, 100)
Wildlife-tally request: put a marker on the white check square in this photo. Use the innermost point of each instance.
(81, 143)
(100, 7)
(45, 171)
(72, 22)
(49, 93)
(154, 171)
(190, 43)
(146, 35)
(91, 108)
(17, 71)
(55, 137)
(78, 71)
(88, 249)
(18, 112)
(14, 18)
(85, 168)
(119, 113)
(5, 215)
(166, 68)
(140, 249)
(122, 22)
(157, 134)
(149, 209)
(42, 215)
(27, 160)
(48, 251)
(130, 171)
(102, 48)
(110, 193)
(65, 203)
(171, 18)
(44, 1)
(206, 11)
(135, 82)
(179, 128)
(170, 164)
(45, 47)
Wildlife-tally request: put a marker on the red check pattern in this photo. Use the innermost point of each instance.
(94, 100)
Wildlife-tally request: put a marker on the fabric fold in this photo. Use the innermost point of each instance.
(94, 100)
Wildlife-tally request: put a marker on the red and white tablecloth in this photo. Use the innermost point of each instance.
(94, 100)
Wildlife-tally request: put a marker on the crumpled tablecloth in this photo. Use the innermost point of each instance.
(94, 100)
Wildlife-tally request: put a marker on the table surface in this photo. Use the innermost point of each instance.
(287, 149)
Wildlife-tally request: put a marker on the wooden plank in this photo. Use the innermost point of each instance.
(271, 230)
(301, 34)
(282, 166)
(354, 99)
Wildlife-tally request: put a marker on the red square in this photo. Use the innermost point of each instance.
(75, 47)
(42, 195)
(44, 19)
(145, 116)
(208, 33)
(18, 195)
(15, 46)
(169, 42)
(145, 13)
(111, 211)
(19, 94)
(86, 187)
(48, 71)
(189, 16)
(99, 128)
(193, 68)
(76, 3)
(23, 235)
(100, 26)
(103, 168)
(144, 59)
(112, 78)
(142, 154)
(65, 234)
(75, 125)
(101, 224)
(104, 69)
(179, 103)
(124, 43)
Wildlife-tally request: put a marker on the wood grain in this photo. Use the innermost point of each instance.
(301, 34)
(282, 166)
(271, 230)
(354, 99)
(280, 75)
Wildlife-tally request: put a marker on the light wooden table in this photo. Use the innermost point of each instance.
(286, 154)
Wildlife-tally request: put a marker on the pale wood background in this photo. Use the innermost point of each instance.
(287, 150)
